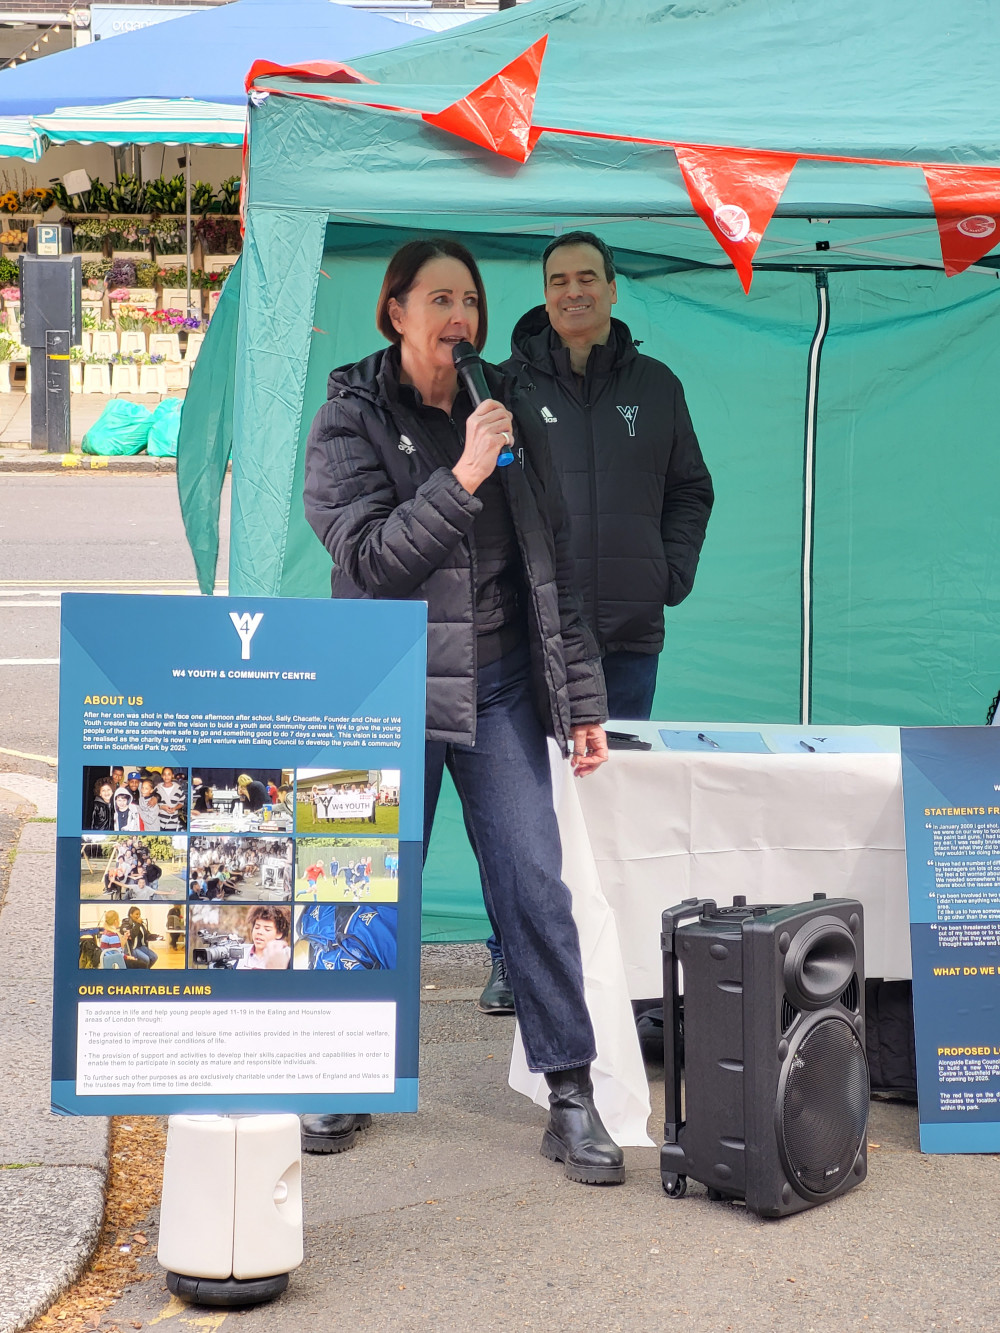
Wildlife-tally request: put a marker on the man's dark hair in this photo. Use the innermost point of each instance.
(582, 238)
(279, 916)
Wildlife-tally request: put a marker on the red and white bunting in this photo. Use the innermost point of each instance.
(497, 114)
(735, 191)
(967, 207)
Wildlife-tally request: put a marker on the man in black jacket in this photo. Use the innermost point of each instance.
(636, 486)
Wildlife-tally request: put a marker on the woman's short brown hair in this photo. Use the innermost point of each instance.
(402, 273)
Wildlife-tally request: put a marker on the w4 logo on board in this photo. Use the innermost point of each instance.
(630, 414)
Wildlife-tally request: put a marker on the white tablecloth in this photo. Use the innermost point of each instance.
(653, 827)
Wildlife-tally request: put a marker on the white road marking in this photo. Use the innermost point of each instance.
(29, 661)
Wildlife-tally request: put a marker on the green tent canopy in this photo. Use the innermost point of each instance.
(844, 405)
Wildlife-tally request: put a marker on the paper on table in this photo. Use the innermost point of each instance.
(806, 743)
(732, 742)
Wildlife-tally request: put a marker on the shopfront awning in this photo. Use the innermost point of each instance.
(19, 139)
(183, 120)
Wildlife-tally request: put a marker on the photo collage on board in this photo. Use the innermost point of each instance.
(245, 869)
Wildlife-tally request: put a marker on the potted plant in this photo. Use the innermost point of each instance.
(7, 349)
(168, 234)
(11, 308)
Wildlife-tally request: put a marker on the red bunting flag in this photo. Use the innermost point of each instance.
(967, 207)
(735, 191)
(497, 114)
(324, 71)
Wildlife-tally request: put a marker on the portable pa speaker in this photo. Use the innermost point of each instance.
(775, 1074)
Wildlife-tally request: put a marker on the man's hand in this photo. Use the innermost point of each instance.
(590, 748)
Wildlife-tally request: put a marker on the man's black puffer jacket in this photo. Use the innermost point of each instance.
(636, 486)
(382, 498)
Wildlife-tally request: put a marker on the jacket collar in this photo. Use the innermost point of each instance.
(535, 343)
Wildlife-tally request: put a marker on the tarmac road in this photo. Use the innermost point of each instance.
(75, 531)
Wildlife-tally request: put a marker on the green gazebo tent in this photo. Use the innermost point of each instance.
(845, 405)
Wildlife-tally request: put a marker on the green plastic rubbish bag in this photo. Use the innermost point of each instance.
(122, 428)
(163, 433)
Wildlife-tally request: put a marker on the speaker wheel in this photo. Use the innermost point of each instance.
(674, 1186)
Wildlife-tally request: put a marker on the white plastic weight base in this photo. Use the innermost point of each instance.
(231, 1211)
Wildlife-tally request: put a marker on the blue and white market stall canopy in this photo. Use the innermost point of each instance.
(145, 120)
(18, 138)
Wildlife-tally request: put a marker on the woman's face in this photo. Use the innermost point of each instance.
(107, 791)
(440, 310)
(133, 914)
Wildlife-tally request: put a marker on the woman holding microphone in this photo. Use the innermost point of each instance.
(403, 489)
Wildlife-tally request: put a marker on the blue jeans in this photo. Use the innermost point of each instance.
(145, 954)
(631, 682)
(505, 788)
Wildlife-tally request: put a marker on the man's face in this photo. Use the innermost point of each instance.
(262, 934)
(578, 297)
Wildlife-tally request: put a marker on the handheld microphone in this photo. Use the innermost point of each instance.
(469, 365)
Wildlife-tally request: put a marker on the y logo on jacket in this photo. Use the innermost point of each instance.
(630, 414)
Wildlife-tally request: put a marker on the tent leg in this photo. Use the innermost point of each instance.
(187, 205)
(809, 493)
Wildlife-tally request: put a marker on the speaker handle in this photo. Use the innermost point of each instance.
(671, 919)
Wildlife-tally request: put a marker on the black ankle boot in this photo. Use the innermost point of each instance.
(497, 997)
(575, 1135)
(331, 1133)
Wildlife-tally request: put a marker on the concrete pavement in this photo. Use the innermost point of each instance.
(16, 454)
(451, 1220)
(52, 1171)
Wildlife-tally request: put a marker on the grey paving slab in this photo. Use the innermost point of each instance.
(50, 1220)
(52, 1169)
(38, 837)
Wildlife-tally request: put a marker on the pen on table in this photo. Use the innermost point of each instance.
(708, 741)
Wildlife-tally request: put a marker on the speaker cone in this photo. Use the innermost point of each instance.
(823, 1107)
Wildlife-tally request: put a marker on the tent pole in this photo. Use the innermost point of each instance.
(187, 204)
(809, 493)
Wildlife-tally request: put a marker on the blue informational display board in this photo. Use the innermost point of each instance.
(951, 799)
(240, 827)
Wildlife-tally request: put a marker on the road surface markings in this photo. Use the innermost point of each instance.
(38, 758)
(29, 661)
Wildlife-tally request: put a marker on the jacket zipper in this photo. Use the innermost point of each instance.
(592, 478)
(508, 483)
(472, 599)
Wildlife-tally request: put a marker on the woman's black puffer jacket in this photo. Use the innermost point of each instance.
(382, 498)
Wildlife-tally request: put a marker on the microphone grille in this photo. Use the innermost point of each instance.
(463, 351)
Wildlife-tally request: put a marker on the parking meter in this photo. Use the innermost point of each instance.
(51, 323)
